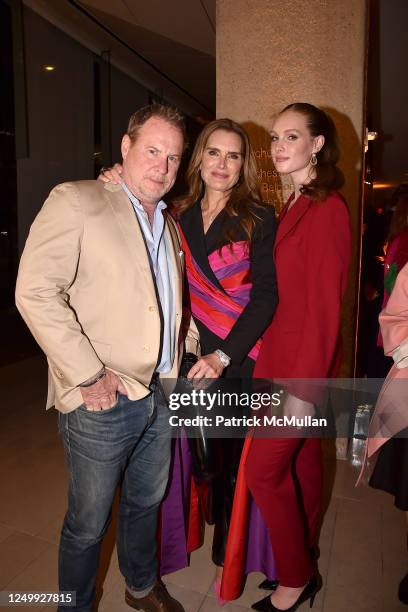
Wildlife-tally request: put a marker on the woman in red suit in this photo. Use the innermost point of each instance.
(312, 255)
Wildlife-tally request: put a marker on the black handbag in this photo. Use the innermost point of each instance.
(204, 462)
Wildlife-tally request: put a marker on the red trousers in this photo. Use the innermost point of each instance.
(285, 479)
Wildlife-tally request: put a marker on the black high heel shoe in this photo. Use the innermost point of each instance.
(309, 592)
(269, 585)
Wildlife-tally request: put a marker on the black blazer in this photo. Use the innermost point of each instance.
(259, 311)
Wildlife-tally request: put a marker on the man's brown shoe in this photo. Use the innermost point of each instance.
(158, 600)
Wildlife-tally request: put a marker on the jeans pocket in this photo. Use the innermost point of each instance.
(83, 408)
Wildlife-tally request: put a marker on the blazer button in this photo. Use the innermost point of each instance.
(146, 348)
(151, 308)
(58, 373)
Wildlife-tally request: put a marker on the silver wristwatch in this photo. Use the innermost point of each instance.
(225, 360)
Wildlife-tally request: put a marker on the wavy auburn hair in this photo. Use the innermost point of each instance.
(245, 196)
(328, 176)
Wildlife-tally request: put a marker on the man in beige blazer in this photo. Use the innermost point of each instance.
(100, 287)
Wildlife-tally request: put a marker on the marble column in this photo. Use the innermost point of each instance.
(271, 53)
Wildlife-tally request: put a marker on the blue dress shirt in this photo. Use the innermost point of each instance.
(160, 257)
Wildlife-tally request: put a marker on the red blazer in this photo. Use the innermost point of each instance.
(312, 254)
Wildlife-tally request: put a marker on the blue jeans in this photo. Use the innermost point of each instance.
(127, 444)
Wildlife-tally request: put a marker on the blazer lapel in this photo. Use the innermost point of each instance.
(176, 256)
(192, 225)
(126, 218)
(291, 218)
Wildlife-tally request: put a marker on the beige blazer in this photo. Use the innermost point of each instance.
(86, 291)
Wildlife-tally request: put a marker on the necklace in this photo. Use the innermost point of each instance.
(211, 215)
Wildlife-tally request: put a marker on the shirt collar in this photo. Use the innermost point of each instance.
(161, 205)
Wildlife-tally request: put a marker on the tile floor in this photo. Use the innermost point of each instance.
(363, 538)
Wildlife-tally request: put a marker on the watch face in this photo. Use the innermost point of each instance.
(223, 358)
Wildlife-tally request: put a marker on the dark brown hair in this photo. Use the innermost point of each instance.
(328, 176)
(245, 196)
(399, 219)
(169, 113)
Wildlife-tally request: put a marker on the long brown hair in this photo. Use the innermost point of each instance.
(328, 176)
(399, 220)
(245, 195)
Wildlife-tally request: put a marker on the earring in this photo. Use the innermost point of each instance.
(313, 159)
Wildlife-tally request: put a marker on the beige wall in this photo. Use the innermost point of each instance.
(271, 53)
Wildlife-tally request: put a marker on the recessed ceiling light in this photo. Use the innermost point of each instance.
(49, 68)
